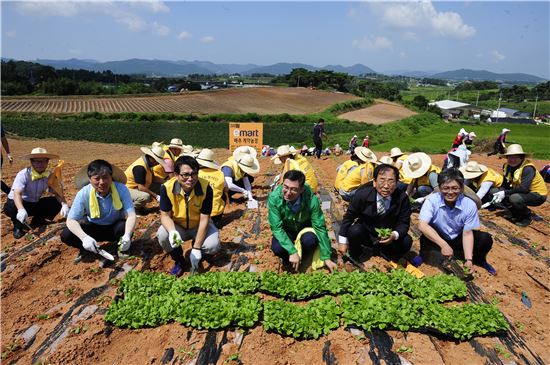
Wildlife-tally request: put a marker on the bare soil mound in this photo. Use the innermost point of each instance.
(379, 113)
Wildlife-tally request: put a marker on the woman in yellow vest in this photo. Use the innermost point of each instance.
(239, 170)
(481, 179)
(210, 171)
(140, 178)
(344, 169)
(359, 175)
(171, 153)
(523, 186)
(423, 174)
(287, 156)
(398, 158)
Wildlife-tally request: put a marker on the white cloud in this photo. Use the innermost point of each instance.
(450, 24)
(184, 35)
(373, 43)
(48, 8)
(402, 55)
(156, 6)
(497, 56)
(207, 39)
(160, 29)
(411, 36)
(75, 52)
(11, 33)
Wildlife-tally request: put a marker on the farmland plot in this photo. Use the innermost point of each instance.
(382, 112)
(62, 305)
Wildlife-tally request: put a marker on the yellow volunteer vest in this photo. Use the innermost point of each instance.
(537, 185)
(158, 170)
(358, 176)
(217, 182)
(186, 213)
(130, 182)
(302, 164)
(402, 177)
(424, 180)
(237, 172)
(343, 172)
(489, 175)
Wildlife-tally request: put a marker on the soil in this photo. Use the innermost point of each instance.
(44, 288)
(261, 100)
(382, 112)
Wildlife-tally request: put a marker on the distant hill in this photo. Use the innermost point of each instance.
(357, 69)
(410, 73)
(280, 68)
(483, 75)
(221, 68)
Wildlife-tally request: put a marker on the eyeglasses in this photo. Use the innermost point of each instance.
(187, 175)
(454, 189)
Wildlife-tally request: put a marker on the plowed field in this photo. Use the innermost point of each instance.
(381, 112)
(59, 306)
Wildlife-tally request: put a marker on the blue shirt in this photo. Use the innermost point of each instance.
(450, 222)
(108, 214)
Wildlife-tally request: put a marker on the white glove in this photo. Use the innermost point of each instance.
(64, 210)
(174, 238)
(498, 197)
(342, 240)
(10, 158)
(420, 200)
(158, 198)
(195, 256)
(124, 243)
(90, 244)
(22, 215)
(246, 194)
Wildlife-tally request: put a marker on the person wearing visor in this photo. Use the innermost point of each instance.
(140, 177)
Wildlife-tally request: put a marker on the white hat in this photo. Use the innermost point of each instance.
(514, 149)
(365, 154)
(284, 150)
(176, 143)
(472, 170)
(39, 152)
(355, 136)
(504, 130)
(396, 152)
(81, 178)
(385, 160)
(248, 163)
(472, 135)
(188, 150)
(206, 158)
(462, 131)
(245, 149)
(416, 165)
(156, 152)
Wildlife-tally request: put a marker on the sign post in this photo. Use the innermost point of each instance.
(246, 134)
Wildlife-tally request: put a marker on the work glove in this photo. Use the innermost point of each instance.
(498, 197)
(22, 215)
(124, 243)
(90, 244)
(174, 238)
(420, 200)
(158, 198)
(64, 210)
(195, 257)
(10, 158)
(246, 194)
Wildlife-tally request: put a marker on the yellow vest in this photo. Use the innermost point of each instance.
(217, 182)
(186, 213)
(402, 177)
(343, 172)
(238, 174)
(357, 177)
(302, 164)
(489, 175)
(158, 170)
(537, 185)
(424, 180)
(130, 182)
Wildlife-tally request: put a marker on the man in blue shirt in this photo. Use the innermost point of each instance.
(449, 223)
(102, 210)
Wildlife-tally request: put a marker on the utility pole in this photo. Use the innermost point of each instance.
(499, 99)
(535, 110)
(477, 100)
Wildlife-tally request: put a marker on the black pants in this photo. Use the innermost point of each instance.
(45, 208)
(318, 142)
(217, 220)
(5, 187)
(358, 236)
(308, 240)
(111, 233)
(483, 242)
(497, 148)
(519, 202)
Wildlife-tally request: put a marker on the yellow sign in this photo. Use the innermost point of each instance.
(246, 134)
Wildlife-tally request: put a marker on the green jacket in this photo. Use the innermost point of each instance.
(281, 219)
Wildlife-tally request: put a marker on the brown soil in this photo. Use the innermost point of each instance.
(41, 286)
(381, 112)
(264, 100)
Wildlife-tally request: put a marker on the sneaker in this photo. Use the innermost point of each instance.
(417, 261)
(18, 232)
(490, 269)
(177, 270)
(522, 222)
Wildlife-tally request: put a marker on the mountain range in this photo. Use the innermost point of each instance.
(163, 68)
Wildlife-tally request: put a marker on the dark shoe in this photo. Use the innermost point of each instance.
(522, 222)
(18, 232)
(38, 221)
(490, 269)
(177, 270)
(417, 261)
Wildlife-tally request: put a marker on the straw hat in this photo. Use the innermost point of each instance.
(188, 150)
(515, 149)
(365, 154)
(156, 152)
(396, 152)
(245, 149)
(81, 178)
(416, 165)
(284, 150)
(473, 170)
(39, 152)
(176, 143)
(248, 163)
(385, 160)
(206, 158)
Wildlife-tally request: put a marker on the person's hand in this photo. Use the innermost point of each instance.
(158, 197)
(331, 265)
(470, 265)
(10, 158)
(64, 210)
(90, 244)
(174, 238)
(343, 248)
(124, 243)
(388, 240)
(195, 257)
(247, 194)
(498, 197)
(420, 200)
(22, 215)
(294, 261)
(447, 250)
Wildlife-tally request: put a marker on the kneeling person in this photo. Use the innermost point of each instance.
(185, 209)
(102, 210)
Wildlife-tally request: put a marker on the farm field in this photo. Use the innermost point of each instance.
(382, 112)
(264, 100)
(63, 304)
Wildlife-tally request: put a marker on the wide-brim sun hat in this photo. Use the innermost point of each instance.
(39, 152)
(188, 150)
(206, 158)
(284, 150)
(396, 152)
(365, 154)
(416, 165)
(504, 130)
(473, 169)
(156, 152)
(515, 149)
(245, 149)
(176, 143)
(81, 178)
(385, 160)
(248, 163)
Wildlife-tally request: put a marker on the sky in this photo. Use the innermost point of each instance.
(503, 37)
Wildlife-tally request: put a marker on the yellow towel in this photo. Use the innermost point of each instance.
(54, 181)
(35, 175)
(416, 272)
(94, 205)
(316, 262)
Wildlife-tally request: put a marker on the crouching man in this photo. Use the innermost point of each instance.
(185, 208)
(102, 210)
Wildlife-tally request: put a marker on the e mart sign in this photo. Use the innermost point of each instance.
(246, 134)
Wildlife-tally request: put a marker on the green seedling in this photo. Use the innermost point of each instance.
(177, 241)
(76, 330)
(502, 352)
(404, 348)
(534, 245)
(9, 349)
(186, 353)
(95, 270)
(69, 292)
(43, 316)
(233, 357)
(383, 232)
(260, 247)
(519, 326)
